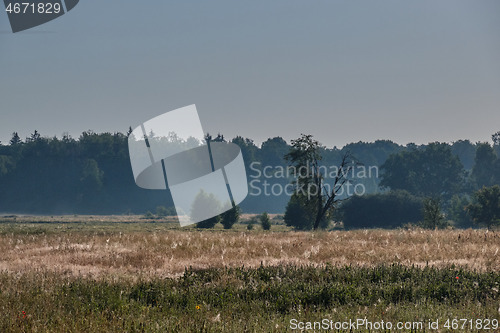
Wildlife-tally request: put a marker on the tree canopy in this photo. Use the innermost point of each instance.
(433, 171)
(485, 208)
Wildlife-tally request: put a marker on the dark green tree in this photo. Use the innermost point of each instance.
(91, 183)
(248, 148)
(299, 213)
(273, 150)
(373, 153)
(433, 216)
(485, 206)
(230, 217)
(6, 165)
(15, 140)
(457, 211)
(466, 151)
(34, 137)
(484, 170)
(432, 172)
(316, 195)
(265, 221)
(496, 145)
(91, 176)
(496, 138)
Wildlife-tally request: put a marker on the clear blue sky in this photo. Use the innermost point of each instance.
(409, 71)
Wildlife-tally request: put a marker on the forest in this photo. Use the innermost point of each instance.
(92, 174)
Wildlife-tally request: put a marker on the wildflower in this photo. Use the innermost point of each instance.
(198, 307)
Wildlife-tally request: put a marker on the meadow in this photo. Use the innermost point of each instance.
(127, 273)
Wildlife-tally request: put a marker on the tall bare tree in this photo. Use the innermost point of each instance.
(316, 190)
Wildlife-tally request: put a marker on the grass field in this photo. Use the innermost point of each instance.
(94, 274)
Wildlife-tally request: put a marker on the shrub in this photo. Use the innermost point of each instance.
(296, 214)
(251, 224)
(149, 215)
(300, 213)
(265, 222)
(388, 210)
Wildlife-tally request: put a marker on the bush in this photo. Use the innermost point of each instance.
(265, 222)
(251, 224)
(230, 217)
(149, 215)
(389, 210)
(296, 214)
(300, 213)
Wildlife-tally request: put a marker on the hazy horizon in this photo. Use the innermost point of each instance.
(259, 143)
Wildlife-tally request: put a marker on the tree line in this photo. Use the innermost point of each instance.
(92, 175)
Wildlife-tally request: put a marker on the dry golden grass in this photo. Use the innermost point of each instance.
(130, 252)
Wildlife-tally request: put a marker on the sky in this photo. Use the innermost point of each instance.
(343, 71)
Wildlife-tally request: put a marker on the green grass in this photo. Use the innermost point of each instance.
(263, 299)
